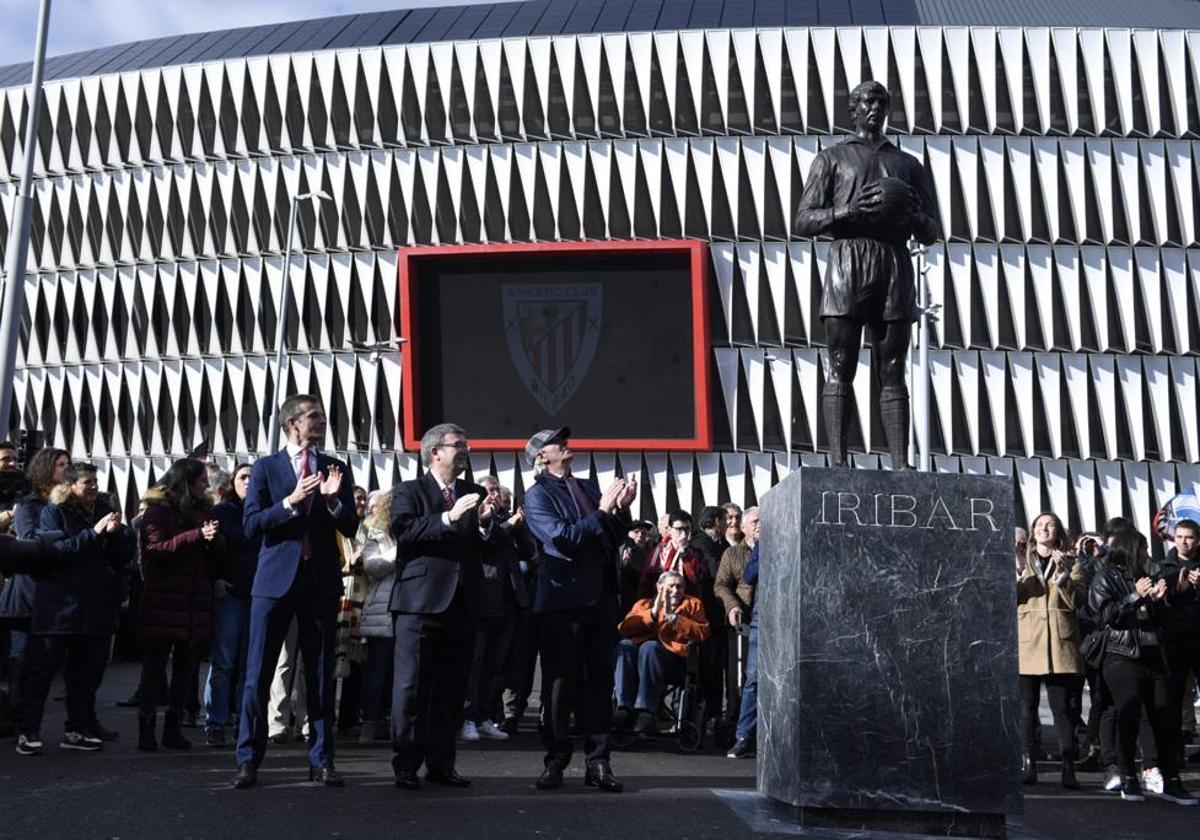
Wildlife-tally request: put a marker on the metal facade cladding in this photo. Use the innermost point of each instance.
(1064, 162)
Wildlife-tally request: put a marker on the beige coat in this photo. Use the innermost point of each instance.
(1047, 631)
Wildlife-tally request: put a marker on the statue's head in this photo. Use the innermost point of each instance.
(869, 106)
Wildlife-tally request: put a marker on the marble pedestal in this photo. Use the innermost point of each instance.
(887, 651)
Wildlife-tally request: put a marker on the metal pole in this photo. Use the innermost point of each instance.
(374, 359)
(18, 240)
(921, 416)
(281, 332)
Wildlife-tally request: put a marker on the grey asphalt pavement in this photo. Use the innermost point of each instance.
(122, 794)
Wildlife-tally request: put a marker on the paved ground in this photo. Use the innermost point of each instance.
(120, 793)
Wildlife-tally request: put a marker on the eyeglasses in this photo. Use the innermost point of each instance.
(458, 444)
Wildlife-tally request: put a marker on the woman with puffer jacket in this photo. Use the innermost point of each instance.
(180, 542)
(1128, 606)
(375, 624)
(1049, 585)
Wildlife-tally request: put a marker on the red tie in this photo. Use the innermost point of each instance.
(448, 496)
(305, 472)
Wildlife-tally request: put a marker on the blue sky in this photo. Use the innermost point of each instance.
(85, 24)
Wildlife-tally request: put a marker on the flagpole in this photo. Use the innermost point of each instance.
(18, 239)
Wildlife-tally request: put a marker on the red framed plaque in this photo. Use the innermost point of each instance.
(609, 338)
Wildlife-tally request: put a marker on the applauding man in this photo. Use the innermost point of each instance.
(297, 503)
(440, 524)
(579, 532)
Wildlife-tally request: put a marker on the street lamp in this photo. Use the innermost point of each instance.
(375, 349)
(18, 238)
(281, 327)
(929, 315)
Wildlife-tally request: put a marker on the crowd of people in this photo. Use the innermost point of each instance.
(415, 615)
(1098, 612)
(418, 616)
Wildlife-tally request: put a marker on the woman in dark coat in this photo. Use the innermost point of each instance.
(180, 542)
(45, 471)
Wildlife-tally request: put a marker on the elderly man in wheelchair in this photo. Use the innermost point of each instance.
(654, 652)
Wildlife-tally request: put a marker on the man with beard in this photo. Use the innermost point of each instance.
(297, 503)
(440, 523)
(578, 591)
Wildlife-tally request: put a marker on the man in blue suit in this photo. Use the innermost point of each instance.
(297, 504)
(578, 590)
(440, 523)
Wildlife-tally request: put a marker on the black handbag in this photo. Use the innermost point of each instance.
(16, 603)
(1092, 649)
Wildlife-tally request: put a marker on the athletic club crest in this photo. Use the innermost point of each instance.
(552, 330)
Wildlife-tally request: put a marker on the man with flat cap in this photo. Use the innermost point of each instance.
(579, 531)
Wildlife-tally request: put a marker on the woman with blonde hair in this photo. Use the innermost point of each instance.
(1049, 586)
(379, 564)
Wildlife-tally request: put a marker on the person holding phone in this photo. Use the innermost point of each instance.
(1131, 606)
(1049, 583)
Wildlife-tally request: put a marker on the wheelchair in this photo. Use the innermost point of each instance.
(682, 707)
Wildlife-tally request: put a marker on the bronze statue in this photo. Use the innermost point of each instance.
(870, 197)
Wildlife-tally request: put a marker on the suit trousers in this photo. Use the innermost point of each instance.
(578, 650)
(316, 625)
(289, 696)
(431, 667)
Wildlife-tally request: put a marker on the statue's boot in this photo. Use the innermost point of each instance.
(893, 408)
(837, 420)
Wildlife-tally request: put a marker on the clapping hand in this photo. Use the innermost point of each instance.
(608, 501)
(1144, 586)
(463, 505)
(209, 530)
(629, 493)
(108, 523)
(304, 488)
(486, 511)
(1159, 590)
(331, 483)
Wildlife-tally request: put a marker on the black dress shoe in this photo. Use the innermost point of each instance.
(407, 779)
(247, 776)
(449, 778)
(601, 776)
(325, 775)
(551, 778)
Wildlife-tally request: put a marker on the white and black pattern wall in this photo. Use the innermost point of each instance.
(1064, 159)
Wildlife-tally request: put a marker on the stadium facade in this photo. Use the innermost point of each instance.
(1061, 137)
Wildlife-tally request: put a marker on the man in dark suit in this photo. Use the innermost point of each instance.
(578, 590)
(297, 504)
(440, 523)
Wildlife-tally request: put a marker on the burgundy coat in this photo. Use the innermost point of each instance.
(177, 598)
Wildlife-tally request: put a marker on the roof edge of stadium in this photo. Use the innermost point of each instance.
(530, 18)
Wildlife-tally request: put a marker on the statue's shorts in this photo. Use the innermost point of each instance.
(870, 281)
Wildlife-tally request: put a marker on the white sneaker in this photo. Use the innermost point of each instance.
(1152, 780)
(469, 731)
(1112, 779)
(489, 730)
(29, 745)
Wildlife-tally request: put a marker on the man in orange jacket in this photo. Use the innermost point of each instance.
(654, 649)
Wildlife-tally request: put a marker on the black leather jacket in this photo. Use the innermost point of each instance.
(1115, 605)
